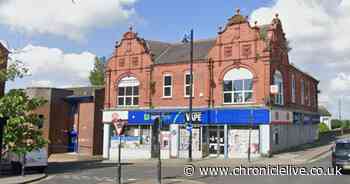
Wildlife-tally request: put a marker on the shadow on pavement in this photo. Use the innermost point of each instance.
(76, 166)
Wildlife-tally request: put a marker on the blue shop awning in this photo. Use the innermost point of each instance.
(77, 99)
(233, 116)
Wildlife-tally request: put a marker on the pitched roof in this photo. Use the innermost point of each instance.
(3, 45)
(180, 52)
(157, 47)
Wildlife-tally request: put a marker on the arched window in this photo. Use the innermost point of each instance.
(238, 86)
(278, 80)
(293, 88)
(128, 92)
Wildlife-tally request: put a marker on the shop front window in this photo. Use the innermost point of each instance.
(128, 92)
(238, 86)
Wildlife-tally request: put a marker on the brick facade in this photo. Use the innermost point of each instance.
(260, 49)
(68, 108)
(3, 65)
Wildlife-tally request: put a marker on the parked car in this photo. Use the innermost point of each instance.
(35, 160)
(341, 154)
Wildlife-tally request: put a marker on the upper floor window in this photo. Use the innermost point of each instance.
(128, 92)
(187, 85)
(167, 85)
(238, 86)
(302, 95)
(278, 80)
(293, 88)
(308, 91)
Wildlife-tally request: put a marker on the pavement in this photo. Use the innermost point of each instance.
(72, 168)
(22, 179)
(72, 157)
(301, 155)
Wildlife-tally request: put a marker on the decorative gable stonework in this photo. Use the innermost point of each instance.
(261, 50)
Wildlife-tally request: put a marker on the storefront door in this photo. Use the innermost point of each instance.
(216, 140)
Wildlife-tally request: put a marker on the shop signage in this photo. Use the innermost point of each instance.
(196, 117)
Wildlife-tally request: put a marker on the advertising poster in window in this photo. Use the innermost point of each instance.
(165, 140)
(239, 141)
(109, 115)
(184, 138)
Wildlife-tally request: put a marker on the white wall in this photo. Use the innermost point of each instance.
(264, 139)
(291, 135)
(106, 140)
(326, 120)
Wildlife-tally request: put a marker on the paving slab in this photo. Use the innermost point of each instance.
(22, 179)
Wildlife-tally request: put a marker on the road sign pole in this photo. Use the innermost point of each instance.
(119, 160)
(159, 168)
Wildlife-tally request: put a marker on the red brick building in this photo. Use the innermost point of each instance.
(4, 52)
(72, 119)
(233, 75)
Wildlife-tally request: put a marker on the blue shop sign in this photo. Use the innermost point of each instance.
(302, 118)
(201, 116)
(168, 117)
(298, 118)
(126, 138)
(240, 116)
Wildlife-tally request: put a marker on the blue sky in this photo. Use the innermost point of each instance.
(58, 40)
(155, 19)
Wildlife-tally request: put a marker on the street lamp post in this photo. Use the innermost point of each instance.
(186, 40)
(159, 164)
(251, 121)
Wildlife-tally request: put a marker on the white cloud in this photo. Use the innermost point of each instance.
(41, 83)
(341, 83)
(62, 17)
(51, 67)
(318, 31)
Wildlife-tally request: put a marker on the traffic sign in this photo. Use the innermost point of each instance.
(189, 127)
(118, 123)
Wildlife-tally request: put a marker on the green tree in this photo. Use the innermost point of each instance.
(21, 132)
(97, 73)
(346, 124)
(336, 123)
(323, 128)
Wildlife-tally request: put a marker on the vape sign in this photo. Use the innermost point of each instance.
(196, 117)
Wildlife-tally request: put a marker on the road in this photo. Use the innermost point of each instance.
(94, 172)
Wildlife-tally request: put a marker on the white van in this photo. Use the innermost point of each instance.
(37, 160)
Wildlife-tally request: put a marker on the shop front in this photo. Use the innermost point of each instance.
(215, 133)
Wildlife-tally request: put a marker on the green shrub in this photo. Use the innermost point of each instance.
(336, 123)
(323, 128)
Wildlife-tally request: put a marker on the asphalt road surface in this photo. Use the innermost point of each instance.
(95, 172)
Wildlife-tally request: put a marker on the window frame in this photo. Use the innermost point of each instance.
(188, 85)
(293, 89)
(302, 92)
(168, 86)
(243, 75)
(242, 92)
(125, 95)
(278, 80)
